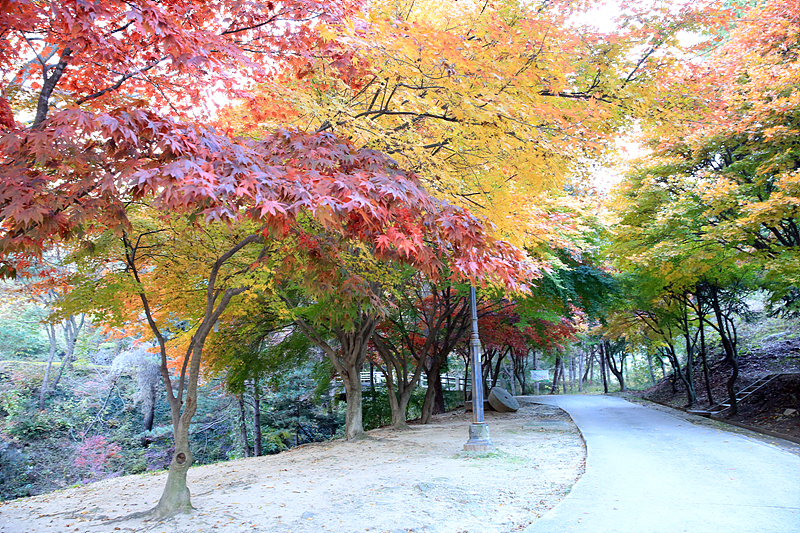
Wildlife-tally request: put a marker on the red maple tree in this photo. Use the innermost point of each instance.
(106, 104)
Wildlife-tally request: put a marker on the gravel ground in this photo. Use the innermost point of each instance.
(396, 481)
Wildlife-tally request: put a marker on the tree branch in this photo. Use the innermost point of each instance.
(119, 82)
(43, 105)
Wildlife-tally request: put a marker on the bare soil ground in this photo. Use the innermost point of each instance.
(775, 408)
(396, 481)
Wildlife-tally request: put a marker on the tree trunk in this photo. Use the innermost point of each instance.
(650, 367)
(371, 376)
(399, 406)
(511, 379)
(588, 372)
(71, 331)
(496, 370)
(348, 360)
(257, 438)
(704, 357)
(149, 408)
(297, 427)
(176, 497)
(603, 368)
(51, 335)
(612, 365)
(571, 370)
(519, 372)
(398, 385)
(243, 440)
(445, 318)
(556, 376)
(677, 373)
(731, 385)
(354, 424)
(434, 403)
(730, 349)
(691, 393)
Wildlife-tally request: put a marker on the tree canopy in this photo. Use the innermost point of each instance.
(343, 168)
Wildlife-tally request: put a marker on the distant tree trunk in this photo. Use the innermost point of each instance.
(72, 329)
(556, 376)
(731, 357)
(445, 317)
(650, 367)
(398, 383)
(348, 360)
(465, 358)
(148, 377)
(243, 440)
(589, 364)
(677, 373)
(511, 379)
(519, 372)
(602, 358)
(496, 370)
(149, 408)
(51, 335)
(571, 371)
(398, 404)
(257, 437)
(298, 427)
(612, 365)
(704, 357)
(434, 396)
(691, 393)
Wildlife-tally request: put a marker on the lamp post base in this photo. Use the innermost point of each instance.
(479, 439)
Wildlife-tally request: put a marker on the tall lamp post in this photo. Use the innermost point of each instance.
(479, 440)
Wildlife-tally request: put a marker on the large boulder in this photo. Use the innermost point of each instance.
(502, 402)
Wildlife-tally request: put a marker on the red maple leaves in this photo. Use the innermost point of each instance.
(113, 71)
(88, 166)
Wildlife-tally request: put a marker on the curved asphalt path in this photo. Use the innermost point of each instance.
(648, 471)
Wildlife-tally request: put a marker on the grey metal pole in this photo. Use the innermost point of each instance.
(479, 439)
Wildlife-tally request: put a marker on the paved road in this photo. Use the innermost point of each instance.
(648, 471)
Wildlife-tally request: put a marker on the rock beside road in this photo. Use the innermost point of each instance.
(502, 401)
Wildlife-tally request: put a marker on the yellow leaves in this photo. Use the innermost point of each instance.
(789, 183)
(460, 91)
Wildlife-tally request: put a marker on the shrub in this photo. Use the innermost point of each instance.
(94, 456)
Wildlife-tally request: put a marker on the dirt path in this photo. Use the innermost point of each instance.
(413, 481)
